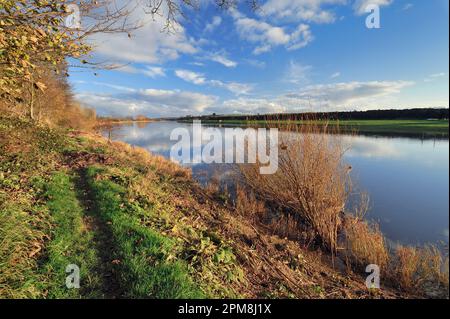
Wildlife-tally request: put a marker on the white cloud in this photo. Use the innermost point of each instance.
(200, 79)
(349, 94)
(301, 37)
(256, 63)
(154, 71)
(438, 75)
(149, 102)
(298, 73)
(267, 36)
(300, 10)
(189, 76)
(178, 99)
(338, 96)
(234, 87)
(248, 106)
(197, 63)
(216, 21)
(150, 71)
(407, 6)
(360, 5)
(435, 76)
(146, 44)
(114, 86)
(222, 59)
(335, 75)
(328, 97)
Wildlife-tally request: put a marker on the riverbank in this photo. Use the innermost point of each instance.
(112, 122)
(138, 226)
(425, 128)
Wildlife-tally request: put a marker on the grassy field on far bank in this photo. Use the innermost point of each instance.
(401, 127)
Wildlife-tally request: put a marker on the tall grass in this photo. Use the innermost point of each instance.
(20, 244)
(246, 203)
(416, 269)
(365, 244)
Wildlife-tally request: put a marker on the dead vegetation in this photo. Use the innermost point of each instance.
(54, 106)
(305, 200)
(311, 182)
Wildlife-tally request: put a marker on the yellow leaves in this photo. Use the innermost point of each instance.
(24, 63)
(29, 39)
(41, 32)
(41, 86)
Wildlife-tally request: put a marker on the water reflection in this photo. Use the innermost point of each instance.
(407, 179)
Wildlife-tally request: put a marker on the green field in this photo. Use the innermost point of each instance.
(400, 127)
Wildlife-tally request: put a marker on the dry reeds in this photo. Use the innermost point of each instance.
(246, 203)
(311, 181)
(310, 190)
(365, 244)
(419, 269)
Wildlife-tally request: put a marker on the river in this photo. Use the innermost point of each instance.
(407, 179)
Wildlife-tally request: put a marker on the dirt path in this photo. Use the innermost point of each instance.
(102, 238)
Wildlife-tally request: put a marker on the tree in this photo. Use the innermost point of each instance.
(35, 38)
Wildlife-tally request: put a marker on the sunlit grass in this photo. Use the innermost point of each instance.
(71, 242)
(141, 254)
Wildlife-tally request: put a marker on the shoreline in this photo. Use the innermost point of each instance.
(405, 128)
(132, 198)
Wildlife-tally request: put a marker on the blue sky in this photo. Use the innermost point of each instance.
(288, 56)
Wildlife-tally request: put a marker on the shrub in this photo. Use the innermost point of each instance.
(311, 181)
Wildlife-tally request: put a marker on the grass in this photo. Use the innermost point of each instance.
(142, 256)
(149, 245)
(27, 154)
(139, 227)
(70, 243)
(312, 185)
(419, 268)
(365, 245)
(406, 127)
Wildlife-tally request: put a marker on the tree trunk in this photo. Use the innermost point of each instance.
(32, 99)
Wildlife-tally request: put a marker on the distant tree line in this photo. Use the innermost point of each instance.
(408, 114)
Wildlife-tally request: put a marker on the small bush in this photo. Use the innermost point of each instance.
(311, 181)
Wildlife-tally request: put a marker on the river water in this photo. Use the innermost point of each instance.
(407, 179)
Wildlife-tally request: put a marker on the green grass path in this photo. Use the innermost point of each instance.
(117, 256)
(71, 242)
